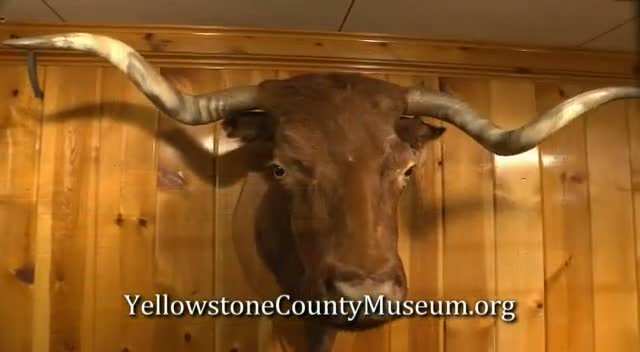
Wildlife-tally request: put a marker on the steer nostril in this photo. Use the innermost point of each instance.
(398, 280)
(329, 285)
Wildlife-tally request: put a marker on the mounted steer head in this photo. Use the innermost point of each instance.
(342, 157)
(343, 147)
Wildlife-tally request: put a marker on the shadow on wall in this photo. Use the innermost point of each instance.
(259, 252)
(191, 150)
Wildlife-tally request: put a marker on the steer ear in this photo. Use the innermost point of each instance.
(416, 133)
(249, 126)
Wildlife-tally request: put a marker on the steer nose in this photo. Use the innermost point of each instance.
(357, 288)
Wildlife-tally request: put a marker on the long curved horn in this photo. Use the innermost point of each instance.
(188, 109)
(508, 142)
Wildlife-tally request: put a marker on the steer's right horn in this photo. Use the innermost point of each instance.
(508, 142)
(188, 109)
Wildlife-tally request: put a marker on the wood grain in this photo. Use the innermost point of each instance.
(612, 226)
(518, 222)
(185, 220)
(127, 213)
(633, 123)
(469, 245)
(20, 121)
(73, 179)
(567, 233)
(216, 47)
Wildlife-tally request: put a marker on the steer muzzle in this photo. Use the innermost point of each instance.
(366, 290)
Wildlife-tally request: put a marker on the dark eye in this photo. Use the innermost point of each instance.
(408, 172)
(278, 171)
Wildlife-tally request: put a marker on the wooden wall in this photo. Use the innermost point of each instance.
(101, 196)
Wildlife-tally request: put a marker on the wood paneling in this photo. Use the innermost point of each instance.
(75, 144)
(633, 120)
(127, 212)
(102, 196)
(518, 222)
(469, 245)
(288, 50)
(185, 221)
(612, 230)
(567, 232)
(20, 118)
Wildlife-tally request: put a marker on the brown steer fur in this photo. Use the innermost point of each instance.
(341, 156)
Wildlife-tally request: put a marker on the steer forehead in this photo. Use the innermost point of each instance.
(338, 117)
(317, 94)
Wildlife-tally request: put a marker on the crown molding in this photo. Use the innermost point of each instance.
(219, 47)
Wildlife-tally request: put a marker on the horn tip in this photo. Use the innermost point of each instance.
(45, 41)
(22, 42)
(11, 42)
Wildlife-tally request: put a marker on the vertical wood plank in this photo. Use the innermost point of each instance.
(184, 245)
(138, 207)
(232, 279)
(469, 238)
(633, 123)
(44, 241)
(108, 261)
(613, 241)
(126, 217)
(567, 234)
(518, 220)
(73, 206)
(20, 128)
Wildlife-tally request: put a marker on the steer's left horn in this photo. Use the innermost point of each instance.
(508, 142)
(188, 109)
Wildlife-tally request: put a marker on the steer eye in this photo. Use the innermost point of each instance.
(409, 171)
(278, 171)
